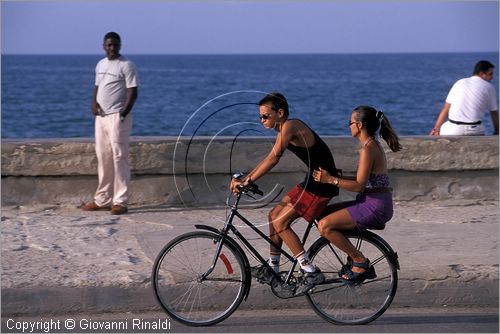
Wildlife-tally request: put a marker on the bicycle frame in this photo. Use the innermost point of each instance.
(335, 299)
(229, 227)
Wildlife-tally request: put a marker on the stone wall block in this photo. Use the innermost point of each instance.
(177, 171)
(445, 153)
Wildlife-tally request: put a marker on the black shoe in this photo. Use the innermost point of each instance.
(309, 280)
(262, 274)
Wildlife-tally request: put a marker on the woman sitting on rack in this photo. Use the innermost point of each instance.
(372, 208)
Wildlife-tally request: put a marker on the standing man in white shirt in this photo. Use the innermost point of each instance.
(466, 104)
(114, 96)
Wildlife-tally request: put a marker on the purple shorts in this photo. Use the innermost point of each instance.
(371, 211)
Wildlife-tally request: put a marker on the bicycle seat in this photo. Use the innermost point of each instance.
(377, 228)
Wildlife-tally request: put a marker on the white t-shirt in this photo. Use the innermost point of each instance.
(113, 78)
(470, 98)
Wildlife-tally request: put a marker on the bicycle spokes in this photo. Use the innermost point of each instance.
(194, 289)
(358, 301)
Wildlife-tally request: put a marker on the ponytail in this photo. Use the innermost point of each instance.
(387, 132)
(375, 119)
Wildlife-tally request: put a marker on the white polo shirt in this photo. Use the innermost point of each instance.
(113, 78)
(470, 98)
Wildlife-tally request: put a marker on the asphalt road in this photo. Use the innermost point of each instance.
(409, 320)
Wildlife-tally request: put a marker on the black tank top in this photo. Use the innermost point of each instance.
(318, 155)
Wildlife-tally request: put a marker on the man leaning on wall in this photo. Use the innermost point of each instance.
(466, 104)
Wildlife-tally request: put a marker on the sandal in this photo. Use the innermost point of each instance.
(368, 273)
(347, 266)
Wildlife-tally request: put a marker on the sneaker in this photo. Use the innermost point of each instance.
(261, 274)
(309, 280)
(118, 210)
(92, 206)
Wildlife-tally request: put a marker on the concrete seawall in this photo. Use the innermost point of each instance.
(181, 171)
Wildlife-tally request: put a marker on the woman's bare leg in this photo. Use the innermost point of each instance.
(332, 226)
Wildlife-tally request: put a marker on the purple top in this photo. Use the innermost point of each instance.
(377, 181)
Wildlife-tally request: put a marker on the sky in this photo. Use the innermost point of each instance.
(250, 27)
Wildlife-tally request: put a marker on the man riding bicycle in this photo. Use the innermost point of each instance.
(309, 198)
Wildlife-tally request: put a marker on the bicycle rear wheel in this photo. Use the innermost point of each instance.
(180, 288)
(342, 302)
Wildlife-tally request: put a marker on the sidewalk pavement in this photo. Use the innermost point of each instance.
(57, 260)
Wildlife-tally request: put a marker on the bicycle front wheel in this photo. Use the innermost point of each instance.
(183, 290)
(342, 302)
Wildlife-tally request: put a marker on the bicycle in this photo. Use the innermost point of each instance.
(201, 277)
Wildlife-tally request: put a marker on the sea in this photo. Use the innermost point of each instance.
(49, 96)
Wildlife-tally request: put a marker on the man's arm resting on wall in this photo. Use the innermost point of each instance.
(494, 120)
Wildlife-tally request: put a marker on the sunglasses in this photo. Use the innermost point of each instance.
(351, 123)
(266, 116)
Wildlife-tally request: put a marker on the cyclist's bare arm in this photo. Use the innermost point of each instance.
(282, 140)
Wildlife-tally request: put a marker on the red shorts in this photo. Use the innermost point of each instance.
(307, 205)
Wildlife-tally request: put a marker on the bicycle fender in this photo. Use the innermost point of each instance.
(391, 251)
(378, 238)
(238, 248)
(206, 227)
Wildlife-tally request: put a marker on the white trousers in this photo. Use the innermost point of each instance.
(451, 129)
(112, 142)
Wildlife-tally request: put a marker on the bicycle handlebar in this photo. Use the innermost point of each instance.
(250, 187)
